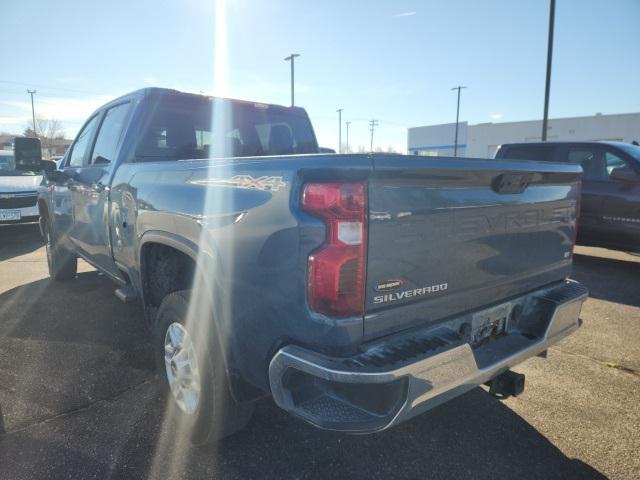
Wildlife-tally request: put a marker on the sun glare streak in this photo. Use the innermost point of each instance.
(173, 445)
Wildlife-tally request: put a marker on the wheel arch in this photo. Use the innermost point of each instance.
(184, 265)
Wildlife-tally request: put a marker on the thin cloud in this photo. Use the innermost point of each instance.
(404, 14)
(496, 116)
(13, 120)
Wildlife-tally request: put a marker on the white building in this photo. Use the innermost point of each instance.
(483, 139)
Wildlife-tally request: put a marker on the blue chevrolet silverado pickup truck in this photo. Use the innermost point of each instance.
(356, 290)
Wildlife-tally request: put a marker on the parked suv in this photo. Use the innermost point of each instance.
(610, 213)
(18, 192)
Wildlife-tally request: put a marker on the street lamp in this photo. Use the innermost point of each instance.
(340, 129)
(347, 124)
(33, 111)
(547, 85)
(291, 58)
(455, 143)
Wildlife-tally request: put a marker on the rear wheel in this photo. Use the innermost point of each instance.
(63, 265)
(191, 364)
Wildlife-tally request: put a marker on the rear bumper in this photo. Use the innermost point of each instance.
(407, 374)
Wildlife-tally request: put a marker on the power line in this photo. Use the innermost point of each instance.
(372, 126)
(46, 87)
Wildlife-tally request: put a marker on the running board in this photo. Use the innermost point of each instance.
(126, 294)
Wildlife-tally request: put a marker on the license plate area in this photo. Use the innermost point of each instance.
(9, 215)
(489, 324)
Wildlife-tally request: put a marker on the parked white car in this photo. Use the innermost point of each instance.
(18, 192)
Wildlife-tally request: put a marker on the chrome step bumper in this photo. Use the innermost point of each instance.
(392, 381)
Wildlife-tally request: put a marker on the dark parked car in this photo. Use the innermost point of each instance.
(610, 213)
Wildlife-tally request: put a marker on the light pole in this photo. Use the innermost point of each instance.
(455, 143)
(372, 126)
(340, 129)
(547, 87)
(33, 111)
(347, 124)
(291, 58)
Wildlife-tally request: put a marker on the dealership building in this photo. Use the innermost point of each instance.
(483, 139)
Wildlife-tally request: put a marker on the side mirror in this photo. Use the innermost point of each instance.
(49, 165)
(624, 174)
(27, 153)
(56, 176)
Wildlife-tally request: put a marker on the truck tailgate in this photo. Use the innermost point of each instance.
(449, 235)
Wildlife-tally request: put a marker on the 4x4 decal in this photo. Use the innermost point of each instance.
(266, 183)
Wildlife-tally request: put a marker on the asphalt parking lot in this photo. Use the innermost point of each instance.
(78, 396)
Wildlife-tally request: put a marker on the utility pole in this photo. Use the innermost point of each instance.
(340, 129)
(547, 87)
(372, 126)
(347, 124)
(291, 58)
(455, 143)
(33, 111)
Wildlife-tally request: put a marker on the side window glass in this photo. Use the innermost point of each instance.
(276, 138)
(81, 145)
(591, 162)
(104, 150)
(544, 154)
(613, 161)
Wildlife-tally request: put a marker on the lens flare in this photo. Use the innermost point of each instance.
(208, 301)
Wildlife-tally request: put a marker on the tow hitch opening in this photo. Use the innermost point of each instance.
(507, 384)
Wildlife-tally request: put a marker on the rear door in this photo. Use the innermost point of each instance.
(92, 189)
(622, 202)
(451, 235)
(590, 158)
(610, 207)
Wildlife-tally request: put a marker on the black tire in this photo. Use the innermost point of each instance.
(63, 265)
(217, 415)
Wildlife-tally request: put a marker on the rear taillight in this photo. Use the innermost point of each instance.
(336, 273)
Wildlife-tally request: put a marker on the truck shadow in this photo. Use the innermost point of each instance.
(474, 436)
(609, 279)
(18, 240)
(80, 399)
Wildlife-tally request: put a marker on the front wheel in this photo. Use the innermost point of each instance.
(192, 366)
(63, 265)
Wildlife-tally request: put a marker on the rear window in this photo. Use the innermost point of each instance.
(528, 152)
(180, 127)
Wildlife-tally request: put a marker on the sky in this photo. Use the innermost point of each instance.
(391, 60)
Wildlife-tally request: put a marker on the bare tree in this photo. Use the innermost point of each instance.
(48, 130)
